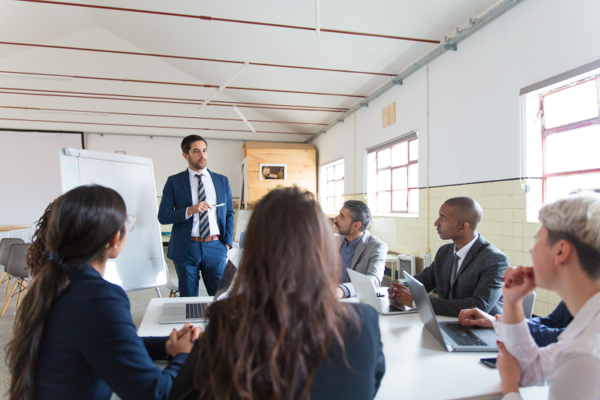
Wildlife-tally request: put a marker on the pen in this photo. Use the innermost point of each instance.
(218, 205)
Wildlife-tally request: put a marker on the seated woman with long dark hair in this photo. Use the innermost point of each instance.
(282, 333)
(73, 336)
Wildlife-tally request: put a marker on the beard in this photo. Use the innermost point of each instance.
(340, 231)
(200, 164)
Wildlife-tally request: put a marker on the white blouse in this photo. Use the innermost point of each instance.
(571, 367)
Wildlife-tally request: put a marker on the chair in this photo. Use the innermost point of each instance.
(16, 265)
(528, 303)
(4, 247)
(172, 284)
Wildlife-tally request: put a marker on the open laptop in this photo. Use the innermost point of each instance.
(451, 335)
(194, 311)
(367, 295)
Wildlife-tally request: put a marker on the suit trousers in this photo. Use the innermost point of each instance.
(208, 258)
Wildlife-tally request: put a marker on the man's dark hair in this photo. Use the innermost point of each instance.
(359, 212)
(187, 141)
(467, 210)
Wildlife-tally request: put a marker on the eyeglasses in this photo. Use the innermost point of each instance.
(130, 222)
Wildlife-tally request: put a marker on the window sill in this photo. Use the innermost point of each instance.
(395, 215)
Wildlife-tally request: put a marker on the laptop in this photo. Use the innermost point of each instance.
(367, 295)
(452, 336)
(195, 311)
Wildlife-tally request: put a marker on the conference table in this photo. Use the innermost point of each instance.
(417, 367)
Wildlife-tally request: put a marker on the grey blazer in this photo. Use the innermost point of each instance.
(369, 259)
(477, 284)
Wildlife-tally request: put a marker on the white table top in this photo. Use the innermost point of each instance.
(416, 365)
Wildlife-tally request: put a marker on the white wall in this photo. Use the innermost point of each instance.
(224, 156)
(474, 95)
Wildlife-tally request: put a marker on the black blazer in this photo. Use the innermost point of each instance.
(333, 379)
(90, 347)
(478, 282)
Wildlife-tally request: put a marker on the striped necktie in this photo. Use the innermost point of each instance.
(204, 226)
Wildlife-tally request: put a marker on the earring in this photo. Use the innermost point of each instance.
(107, 245)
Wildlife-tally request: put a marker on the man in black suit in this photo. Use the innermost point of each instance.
(466, 273)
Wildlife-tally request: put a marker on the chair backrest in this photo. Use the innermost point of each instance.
(4, 246)
(528, 303)
(16, 264)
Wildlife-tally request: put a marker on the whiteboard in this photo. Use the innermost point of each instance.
(141, 263)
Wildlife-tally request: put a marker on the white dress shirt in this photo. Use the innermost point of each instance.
(462, 253)
(211, 198)
(571, 366)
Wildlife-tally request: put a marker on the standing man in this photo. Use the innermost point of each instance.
(467, 273)
(199, 205)
(359, 250)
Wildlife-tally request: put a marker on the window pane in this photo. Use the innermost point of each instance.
(339, 171)
(413, 175)
(384, 180)
(330, 205)
(372, 173)
(339, 188)
(384, 202)
(338, 203)
(400, 154)
(573, 150)
(330, 174)
(399, 178)
(413, 146)
(331, 189)
(413, 201)
(563, 185)
(573, 104)
(399, 200)
(383, 158)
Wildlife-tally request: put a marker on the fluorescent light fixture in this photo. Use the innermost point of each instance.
(223, 86)
(244, 119)
(92, 113)
(36, 76)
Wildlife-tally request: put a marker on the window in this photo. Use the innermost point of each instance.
(332, 178)
(570, 139)
(393, 176)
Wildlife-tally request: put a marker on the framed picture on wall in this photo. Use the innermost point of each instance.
(273, 172)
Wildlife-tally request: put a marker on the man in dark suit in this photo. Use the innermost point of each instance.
(467, 273)
(198, 203)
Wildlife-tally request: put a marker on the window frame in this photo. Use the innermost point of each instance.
(325, 198)
(564, 128)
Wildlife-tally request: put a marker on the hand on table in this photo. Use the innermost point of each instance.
(198, 208)
(476, 317)
(510, 373)
(339, 292)
(401, 293)
(182, 341)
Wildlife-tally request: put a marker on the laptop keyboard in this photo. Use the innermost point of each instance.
(462, 335)
(386, 307)
(195, 310)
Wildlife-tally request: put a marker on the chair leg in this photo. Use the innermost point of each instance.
(21, 289)
(8, 284)
(8, 299)
(2, 279)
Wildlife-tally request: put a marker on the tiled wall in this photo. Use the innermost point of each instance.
(504, 225)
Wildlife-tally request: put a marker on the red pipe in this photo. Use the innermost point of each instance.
(207, 18)
(46, 46)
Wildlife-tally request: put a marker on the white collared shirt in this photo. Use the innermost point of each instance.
(462, 253)
(211, 198)
(571, 366)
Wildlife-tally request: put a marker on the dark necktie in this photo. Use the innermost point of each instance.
(204, 226)
(453, 274)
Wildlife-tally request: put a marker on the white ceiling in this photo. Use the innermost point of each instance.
(33, 99)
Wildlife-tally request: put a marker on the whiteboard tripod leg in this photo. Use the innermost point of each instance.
(158, 292)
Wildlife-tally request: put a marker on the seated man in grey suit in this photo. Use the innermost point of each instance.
(359, 250)
(466, 273)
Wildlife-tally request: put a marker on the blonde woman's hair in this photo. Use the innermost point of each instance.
(576, 219)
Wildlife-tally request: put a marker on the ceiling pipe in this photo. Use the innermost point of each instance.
(451, 44)
(158, 115)
(170, 100)
(125, 80)
(133, 53)
(244, 119)
(148, 126)
(223, 86)
(208, 18)
(180, 137)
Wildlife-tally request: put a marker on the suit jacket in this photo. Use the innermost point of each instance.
(545, 330)
(478, 282)
(90, 348)
(369, 259)
(177, 197)
(334, 379)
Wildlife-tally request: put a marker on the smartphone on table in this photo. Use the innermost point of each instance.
(489, 362)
